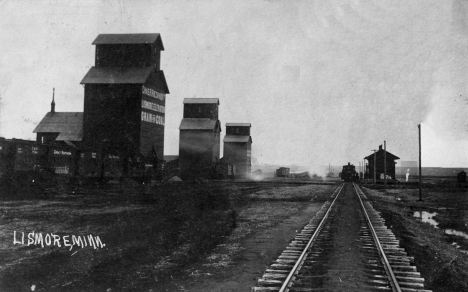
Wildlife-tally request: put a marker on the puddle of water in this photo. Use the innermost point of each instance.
(457, 246)
(426, 217)
(456, 232)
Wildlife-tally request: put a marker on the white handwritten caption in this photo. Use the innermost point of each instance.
(50, 239)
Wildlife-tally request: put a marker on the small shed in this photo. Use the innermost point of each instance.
(461, 177)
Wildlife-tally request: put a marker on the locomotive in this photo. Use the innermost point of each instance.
(349, 173)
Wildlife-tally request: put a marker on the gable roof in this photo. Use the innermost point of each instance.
(237, 139)
(380, 153)
(125, 75)
(69, 125)
(161, 80)
(201, 100)
(238, 125)
(199, 124)
(168, 158)
(116, 75)
(128, 39)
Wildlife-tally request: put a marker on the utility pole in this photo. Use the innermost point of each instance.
(375, 158)
(420, 174)
(385, 162)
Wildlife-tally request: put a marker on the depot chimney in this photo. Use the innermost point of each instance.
(52, 104)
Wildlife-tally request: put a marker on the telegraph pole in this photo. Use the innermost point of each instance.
(420, 175)
(385, 162)
(375, 158)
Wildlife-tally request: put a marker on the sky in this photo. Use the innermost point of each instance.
(322, 81)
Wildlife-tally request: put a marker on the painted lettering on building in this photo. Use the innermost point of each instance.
(61, 152)
(153, 93)
(150, 118)
(152, 106)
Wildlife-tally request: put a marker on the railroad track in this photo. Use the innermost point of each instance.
(344, 247)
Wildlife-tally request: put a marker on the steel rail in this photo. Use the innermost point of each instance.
(391, 275)
(304, 253)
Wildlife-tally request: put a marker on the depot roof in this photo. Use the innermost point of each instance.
(69, 125)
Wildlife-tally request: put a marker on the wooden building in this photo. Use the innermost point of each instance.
(125, 97)
(379, 164)
(199, 140)
(60, 127)
(61, 134)
(238, 148)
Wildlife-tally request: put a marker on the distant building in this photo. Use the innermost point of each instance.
(380, 164)
(282, 172)
(461, 177)
(199, 140)
(125, 96)
(238, 148)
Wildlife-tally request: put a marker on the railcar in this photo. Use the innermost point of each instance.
(349, 173)
(18, 156)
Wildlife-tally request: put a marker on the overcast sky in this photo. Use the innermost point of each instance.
(322, 81)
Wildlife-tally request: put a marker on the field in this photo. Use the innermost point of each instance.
(151, 235)
(439, 257)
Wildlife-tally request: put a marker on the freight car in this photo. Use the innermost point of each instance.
(349, 173)
(18, 156)
(282, 172)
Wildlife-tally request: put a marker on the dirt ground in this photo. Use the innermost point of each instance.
(144, 251)
(441, 263)
(265, 227)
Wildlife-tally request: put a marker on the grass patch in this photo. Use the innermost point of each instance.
(444, 267)
(261, 210)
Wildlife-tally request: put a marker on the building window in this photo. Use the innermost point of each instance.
(82, 155)
(42, 140)
(20, 150)
(93, 155)
(34, 150)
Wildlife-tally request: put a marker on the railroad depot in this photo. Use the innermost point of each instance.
(121, 129)
(380, 162)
